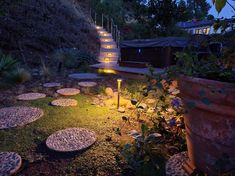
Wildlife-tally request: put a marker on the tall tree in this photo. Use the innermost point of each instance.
(162, 15)
(182, 11)
(198, 9)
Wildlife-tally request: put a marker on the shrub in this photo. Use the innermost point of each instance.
(20, 75)
(10, 72)
(73, 58)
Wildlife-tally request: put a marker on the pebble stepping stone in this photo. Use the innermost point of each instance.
(64, 102)
(174, 165)
(18, 116)
(10, 163)
(51, 85)
(71, 140)
(68, 91)
(87, 84)
(30, 96)
(82, 76)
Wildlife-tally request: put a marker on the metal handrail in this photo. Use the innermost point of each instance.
(110, 25)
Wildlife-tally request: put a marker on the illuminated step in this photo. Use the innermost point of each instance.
(98, 27)
(107, 59)
(106, 40)
(107, 46)
(109, 54)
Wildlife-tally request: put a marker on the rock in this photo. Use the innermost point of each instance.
(145, 106)
(129, 105)
(150, 101)
(121, 109)
(150, 110)
(155, 135)
(133, 133)
(109, 92)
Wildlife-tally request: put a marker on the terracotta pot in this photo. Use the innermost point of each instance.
(210, 124)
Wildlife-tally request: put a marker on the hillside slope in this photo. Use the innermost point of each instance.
(33, 29)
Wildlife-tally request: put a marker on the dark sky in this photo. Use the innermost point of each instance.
(227, 12)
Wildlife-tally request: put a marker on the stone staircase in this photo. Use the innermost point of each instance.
(109, 52)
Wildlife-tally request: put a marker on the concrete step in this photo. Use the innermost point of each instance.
(109, 46)
(115, 58)
(112, 50)
(107, 60)
(109, 54)
(106, 40)
(106, 37)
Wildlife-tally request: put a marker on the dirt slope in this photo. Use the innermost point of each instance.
(33, 29)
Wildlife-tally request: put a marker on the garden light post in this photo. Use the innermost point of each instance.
(119, 81)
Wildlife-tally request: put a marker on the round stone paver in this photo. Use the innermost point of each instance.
(64, 102)
(174, 165)
(10, 163)
(87, 84)
(18, 116)
(71, 140)
(30, 96)
(51, 85)
(84, 76)
(68, 91)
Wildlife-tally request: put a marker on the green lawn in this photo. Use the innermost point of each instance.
(26, 140)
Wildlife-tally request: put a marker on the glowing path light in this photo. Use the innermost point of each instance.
(119, 81)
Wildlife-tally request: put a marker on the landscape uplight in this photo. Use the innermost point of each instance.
(119, 81)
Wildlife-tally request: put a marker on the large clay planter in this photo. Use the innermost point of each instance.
(210, 123)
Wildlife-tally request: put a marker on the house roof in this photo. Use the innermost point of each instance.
(193, 24)
(159, 42)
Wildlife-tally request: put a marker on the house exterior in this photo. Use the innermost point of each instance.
(204, 26)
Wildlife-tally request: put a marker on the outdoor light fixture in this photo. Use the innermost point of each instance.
(119, 81)
(106, 60)
(108, 46)
(109, 54)
(105, 35)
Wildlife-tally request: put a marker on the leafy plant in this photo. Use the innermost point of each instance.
(73, 58)
(212, 67)
(10, 72)
(45, 71)
(20, 75)
(66, 57)
(162, 132)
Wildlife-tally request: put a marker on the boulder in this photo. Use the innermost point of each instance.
(109, 92)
